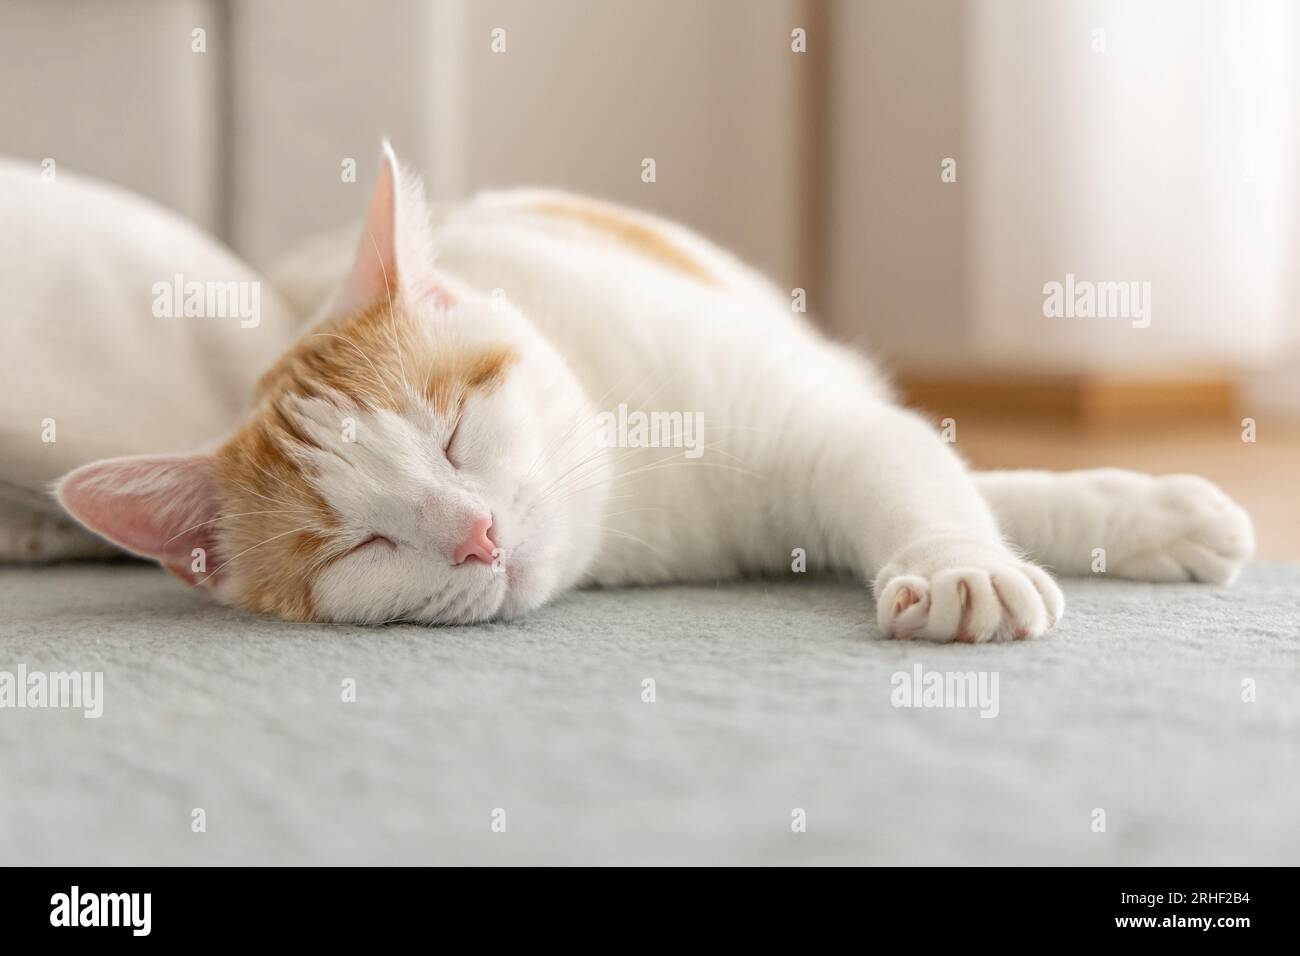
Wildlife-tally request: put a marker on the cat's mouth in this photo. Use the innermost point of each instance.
(513, 572)
(485, 590)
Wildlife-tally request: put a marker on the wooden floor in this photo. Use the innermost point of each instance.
(1263, 477)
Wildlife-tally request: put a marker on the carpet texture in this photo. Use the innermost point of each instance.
(769, 697)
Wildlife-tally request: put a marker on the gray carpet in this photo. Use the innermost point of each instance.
(769, 697)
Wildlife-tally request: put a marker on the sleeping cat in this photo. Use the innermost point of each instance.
(456, 440)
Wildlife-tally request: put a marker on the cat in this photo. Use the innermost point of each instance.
(437, 447)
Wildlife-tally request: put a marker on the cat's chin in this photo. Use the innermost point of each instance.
(524, 592)
(509, 593)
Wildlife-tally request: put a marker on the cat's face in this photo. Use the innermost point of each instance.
(422, 454)
(423, 484)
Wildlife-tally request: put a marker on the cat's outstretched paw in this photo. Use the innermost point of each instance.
(960, 592)
(1179, 528)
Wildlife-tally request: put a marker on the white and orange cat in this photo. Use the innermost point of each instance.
(433, 449)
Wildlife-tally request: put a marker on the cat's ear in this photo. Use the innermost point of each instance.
(394, 254)
(162, 508)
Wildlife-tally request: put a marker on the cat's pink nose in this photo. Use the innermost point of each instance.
(477, 544)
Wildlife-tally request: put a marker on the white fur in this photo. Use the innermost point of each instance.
(804, 450)
(81, 347)
(1167, 528)
(396, 480)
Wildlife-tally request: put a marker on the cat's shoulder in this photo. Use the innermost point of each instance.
(569, 215)
(576, 219)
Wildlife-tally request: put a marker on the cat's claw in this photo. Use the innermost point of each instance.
(969, 595)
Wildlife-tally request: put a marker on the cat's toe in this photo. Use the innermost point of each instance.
(1048, 589)
(969, 604)
(1024, 610)
(903, 605)
(964, 607)
(1185, 529)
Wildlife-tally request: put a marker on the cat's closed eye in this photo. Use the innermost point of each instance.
(451, 440)
(373, 543)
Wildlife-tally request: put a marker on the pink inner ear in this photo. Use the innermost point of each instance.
(439, 294)
(157, 507)
(395, 249)
(374, 267)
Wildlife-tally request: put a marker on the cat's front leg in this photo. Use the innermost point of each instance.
(1122, 523)
(929, 542)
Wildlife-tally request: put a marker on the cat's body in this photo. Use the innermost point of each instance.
(525, 316)
(650, 316)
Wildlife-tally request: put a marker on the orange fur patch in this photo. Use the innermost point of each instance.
(375, 355)
(453, 374)
(629, 231)
(272, 540)
(276, 533)
(363, 357)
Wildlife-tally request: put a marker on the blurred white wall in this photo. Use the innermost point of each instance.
(115, 90)
(249, 136)
(894, 248)
(315, 86)
(710, 90)
(1168, 157)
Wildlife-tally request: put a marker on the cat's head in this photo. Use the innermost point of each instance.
(421, 454)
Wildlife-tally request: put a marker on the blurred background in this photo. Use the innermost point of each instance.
(921, 169)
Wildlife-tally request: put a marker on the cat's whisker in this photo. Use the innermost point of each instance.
(242, 514)
(551, 447)
(274, 501)
(614, 458)
(615, 454)
(616, 514)
(646, 400)
(559, 479)
(581, 416)
(693, 463)
(325, 555)
(378, 377)
(279, 480)
(657, 467)
(676, 458)
(618, 533)
(586, 469)
(392, 318)
(732, 426)
(638, 408)
(718, 451)
(560, 444)
(273, 537)
(713, 426)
